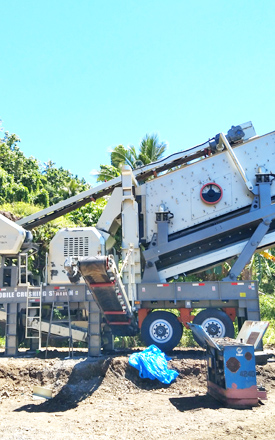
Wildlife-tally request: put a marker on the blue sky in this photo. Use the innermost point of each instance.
(80, 77)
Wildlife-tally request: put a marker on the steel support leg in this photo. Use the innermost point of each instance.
(94, 329)
(11, 345)
(249, 249)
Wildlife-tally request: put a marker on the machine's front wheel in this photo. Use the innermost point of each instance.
(162, 329)
(215, 322)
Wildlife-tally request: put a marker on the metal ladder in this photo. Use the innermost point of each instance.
(23, 269)
(55, 306)
(34, 313)
(34, 301)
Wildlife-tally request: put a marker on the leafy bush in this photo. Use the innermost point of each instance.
(127, 341)
(187, 339)
(267, 306)
(19, 193)
(20, 209)
(89, 214)
(42, 198)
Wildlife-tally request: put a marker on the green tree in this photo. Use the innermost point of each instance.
(4, 183)
(262, 269)
(150, 150)
(42, 198)
(89, 214)
(71, 188)
(124, 156)
(107, 172)
(23, 171)
(24, 179)
(60, 183)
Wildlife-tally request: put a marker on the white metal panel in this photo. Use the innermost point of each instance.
(71, 242)
(111, 211)
(179, 190)
(12, 236)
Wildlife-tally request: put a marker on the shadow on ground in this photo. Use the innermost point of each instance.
(195, 402)
(84, 380)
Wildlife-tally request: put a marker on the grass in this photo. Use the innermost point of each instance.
(22, 209)
(187, 339)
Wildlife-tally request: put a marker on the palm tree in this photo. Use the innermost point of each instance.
(71, 188)
(150, 150)
(124, 156)
(107, 172)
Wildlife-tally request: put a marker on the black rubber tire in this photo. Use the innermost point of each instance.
(162, 329)
(221, 325)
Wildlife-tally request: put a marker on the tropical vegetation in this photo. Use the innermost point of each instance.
(24, 179)
(150, 150)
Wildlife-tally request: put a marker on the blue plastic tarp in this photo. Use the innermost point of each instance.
(152, 363)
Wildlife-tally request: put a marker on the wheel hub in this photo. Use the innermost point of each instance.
(161, 331)
(214, 327)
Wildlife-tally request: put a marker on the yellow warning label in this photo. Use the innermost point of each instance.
(242, 294)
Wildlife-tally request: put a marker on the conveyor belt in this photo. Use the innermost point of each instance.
(102, 278)
(61, 208)
(152, 170)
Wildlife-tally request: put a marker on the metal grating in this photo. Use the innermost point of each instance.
(76, 247)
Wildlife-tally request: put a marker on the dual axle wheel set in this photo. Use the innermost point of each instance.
(164, 330)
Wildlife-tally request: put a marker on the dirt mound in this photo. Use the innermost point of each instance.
(10, 216)
(266, 375)
(73, 381)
